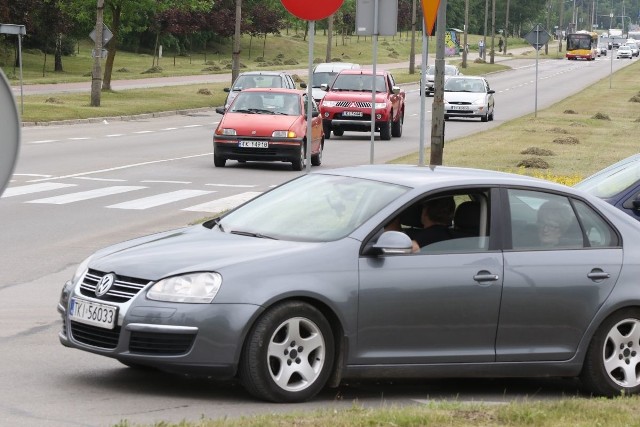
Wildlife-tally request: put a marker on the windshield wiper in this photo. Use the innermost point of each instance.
(244, 110)
(251, 234)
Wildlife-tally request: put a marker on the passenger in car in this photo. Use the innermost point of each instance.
(437, 216)
(553, 220)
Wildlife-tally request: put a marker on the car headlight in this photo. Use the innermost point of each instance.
(77, 276)
(381, 105)
(81, 270)
(226, 131)
(329, 103)
(197, 288)
(283, 134)
(479, 101)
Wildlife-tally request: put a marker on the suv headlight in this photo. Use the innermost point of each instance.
(380, 105)
(329, 103)
(197, 288)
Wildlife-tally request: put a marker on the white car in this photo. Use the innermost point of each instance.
(624, 51)
(468, 96)
(449, 70)
(325, 73)
(634, 47)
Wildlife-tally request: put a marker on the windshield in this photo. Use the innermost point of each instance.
(578, 41)
(249, 81)
(266, 103)
(464, 85)
(358, 82)
(312, 208)
(323, 78)
(613, 180)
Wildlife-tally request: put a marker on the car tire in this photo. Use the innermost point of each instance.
(298, 163)
(491, 116)
(288, 355)
(613, 356)
(485, 118)
(396, 127)
(385, 130)
(219, 161)
(338, 132)
(327, 130)
(316, 160)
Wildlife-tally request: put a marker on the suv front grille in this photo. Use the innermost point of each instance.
(347, 104)
(123, 289)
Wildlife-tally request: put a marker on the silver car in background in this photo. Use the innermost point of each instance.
(449, 70)
(318, 280)
(468, 96)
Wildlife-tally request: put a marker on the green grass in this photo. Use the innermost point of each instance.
(574, 412)
(584, 132)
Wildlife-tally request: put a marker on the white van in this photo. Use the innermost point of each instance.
(325, 73)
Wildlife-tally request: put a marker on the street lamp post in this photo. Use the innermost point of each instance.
(611, 54)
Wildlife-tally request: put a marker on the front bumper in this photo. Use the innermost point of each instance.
(279, 149)
(199, 339)
(453, 110)
(336, 119)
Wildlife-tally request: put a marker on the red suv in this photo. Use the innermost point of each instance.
(347, 104)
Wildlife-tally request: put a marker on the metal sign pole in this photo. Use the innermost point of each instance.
(373, 78)
(537, 50)
(312, 30)
(423, 92)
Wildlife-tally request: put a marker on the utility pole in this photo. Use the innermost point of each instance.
(437, 110)
(506, 30)
(484, 36)
(329, 37)
(96, 72)
(493, 31)
(465, 51)
(412, 54)
(560, 29)
(235, 55)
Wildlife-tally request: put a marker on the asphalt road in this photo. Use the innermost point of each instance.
(78, 188)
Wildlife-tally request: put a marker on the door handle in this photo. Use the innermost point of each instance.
(485, 276)
(597, 274)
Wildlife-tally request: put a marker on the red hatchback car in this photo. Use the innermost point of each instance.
(268, 125)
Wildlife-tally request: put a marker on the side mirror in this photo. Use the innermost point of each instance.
(393, 242)
(395, 90)
(303, 85)
(221, 110)
(491, 91)
(227, 89)
(324, 87)
(315, 113)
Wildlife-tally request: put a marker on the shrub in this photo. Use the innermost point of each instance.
(533, 163)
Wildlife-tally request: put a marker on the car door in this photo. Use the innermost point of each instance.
(396, 99)
(552, 292)
(437, 306)
(316, 125)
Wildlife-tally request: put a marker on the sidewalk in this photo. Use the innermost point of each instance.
(38, 89)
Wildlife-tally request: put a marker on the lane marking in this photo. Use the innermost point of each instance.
(223, 204)
(159, 199)
(100, 179)
(144, 131)
(133, 165)
(30, 174)
(86, 195)
(34, 188)
(231, 185)
(166, 182)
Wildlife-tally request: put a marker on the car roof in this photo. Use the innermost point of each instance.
(365, 72)
(335, 66)
(262, 73)
(434, 176)
(274, 89)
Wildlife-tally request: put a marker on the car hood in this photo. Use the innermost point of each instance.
(464, 96)
(186, 250)
(317, 93)
(261, 124)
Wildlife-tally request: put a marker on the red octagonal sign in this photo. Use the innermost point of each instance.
(312, 10)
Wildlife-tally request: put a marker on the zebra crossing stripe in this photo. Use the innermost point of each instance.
(86, 195)
(34, 188)
(160, 199)
(224, 204)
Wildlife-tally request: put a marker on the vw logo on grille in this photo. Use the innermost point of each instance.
(105, 284)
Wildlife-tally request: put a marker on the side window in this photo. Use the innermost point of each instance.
(305, 100)
(392, 82)
(447, 222)
(290, 82)
(543, 221)
(599, 232)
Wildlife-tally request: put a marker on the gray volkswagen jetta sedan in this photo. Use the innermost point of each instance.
(323, 279)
